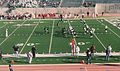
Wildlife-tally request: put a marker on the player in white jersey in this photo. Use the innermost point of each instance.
(77, 50)
(91, 33)
(93, 29)
(6, 33)
(106, 27)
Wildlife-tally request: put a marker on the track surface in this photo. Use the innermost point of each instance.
(62, 67)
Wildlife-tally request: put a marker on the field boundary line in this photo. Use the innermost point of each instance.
(111, 29)
(51, 37)
(11, 33)
(58, 19)
(29, 38)
(61, 55)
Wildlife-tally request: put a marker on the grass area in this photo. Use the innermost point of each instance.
(59, 60)
(28, 32)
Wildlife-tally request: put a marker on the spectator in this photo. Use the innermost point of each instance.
(87, 13)
(61, 17)
(93, 50)
(102, 13)
(83, 15)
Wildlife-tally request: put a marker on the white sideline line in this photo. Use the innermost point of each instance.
(111, 29)
(11, 34)
(51, 37)
(99, 40)
(29, 38)
(47, 19)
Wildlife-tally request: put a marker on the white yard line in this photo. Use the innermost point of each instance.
(51, 37)
(73, 35)
(99, 40)
(10, 34)
(29, 38)
(110, 28)
(3, 26)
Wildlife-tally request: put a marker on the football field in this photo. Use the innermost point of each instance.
(26, 33)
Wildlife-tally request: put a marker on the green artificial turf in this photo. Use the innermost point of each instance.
(59, 44)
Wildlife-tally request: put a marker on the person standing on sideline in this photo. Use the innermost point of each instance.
(93, 50)
(10, 68)
(0, 54)
(110, 48)
(33, 51)
(107, 51)
(16, 49)
(29, 56)
(77, 50)
(88, 53)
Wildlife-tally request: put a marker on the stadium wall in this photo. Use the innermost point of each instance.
(108, 8)
(65, 10)
(3, 11)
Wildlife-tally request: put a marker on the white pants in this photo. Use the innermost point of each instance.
(77, 53)
(16, 54)
(30, 59)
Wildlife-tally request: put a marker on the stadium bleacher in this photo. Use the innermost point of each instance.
(71, 3)
(53, 3)
(49, 3)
